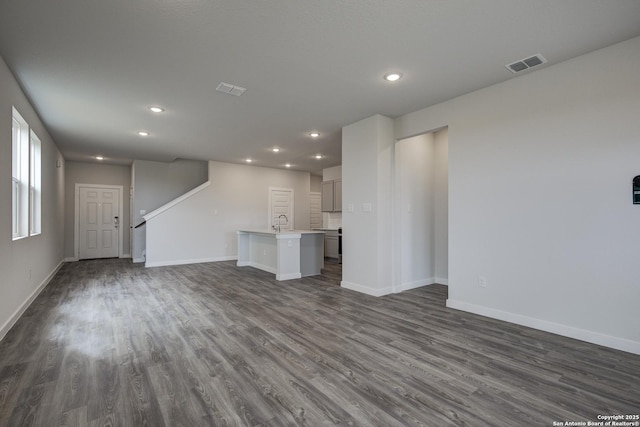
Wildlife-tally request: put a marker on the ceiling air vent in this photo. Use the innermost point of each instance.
(230, 89)
(525, 64)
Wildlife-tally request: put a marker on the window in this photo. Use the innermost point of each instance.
(15, 176)
(26, 165)
(35, 220)
(20, 174)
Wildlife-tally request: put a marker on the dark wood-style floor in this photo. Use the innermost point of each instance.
(110, 343)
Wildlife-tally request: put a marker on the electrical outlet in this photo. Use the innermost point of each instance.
(482, 281)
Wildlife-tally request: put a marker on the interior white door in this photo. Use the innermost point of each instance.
(98, 222)
(281, 203)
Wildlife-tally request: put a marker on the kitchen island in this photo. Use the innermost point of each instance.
(289, 254)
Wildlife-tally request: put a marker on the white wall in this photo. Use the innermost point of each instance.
(315, 183)
(420, 200)
(26, 265)
(334, 172)
(203, 227)
(367, 165)
(156, 183)
(540, 171)
(95, 173)
(441, 207)
(414, 196)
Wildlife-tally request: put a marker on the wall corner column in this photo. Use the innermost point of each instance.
(367, 214)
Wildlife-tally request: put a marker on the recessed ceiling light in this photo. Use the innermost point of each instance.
(288, 165)
(314, 134)
(249, 160)
(156, 109)
(318, 156)
(99, 158)
(392, 77)
(275, 149)
(143, 133)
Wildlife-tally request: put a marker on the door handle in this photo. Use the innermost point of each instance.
(116, 221)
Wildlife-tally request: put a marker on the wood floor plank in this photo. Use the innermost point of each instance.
(10, 386)
(105, 403)
(111, 343)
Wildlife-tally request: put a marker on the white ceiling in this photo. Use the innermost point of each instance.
(92, 67)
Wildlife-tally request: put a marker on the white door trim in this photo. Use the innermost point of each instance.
(293, 206)
(76, 228)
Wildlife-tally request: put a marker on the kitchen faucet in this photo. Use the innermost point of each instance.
(285, 218)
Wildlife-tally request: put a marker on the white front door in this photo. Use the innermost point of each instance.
(98, 222)
(281, 208)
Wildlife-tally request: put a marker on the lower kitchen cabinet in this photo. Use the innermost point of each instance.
(331, 246)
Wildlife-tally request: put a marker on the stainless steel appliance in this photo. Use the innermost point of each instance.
(340, 245)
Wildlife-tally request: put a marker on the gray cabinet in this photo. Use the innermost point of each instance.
(337, 195)
(332, 196)
(327, 196)
(331, 244)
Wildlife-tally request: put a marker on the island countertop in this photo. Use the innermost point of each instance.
(289, 254)
(281, 233)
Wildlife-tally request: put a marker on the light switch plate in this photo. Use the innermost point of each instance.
(367, 207)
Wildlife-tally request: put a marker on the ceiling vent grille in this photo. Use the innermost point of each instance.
(230, 89)
(525, 64)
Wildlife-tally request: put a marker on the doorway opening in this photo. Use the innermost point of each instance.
(421, 210)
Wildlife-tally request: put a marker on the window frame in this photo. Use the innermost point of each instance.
(15, 176)
(35, 184)
(26, 179)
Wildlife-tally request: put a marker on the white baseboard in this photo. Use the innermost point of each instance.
(269, 269)
(544, 325)
(187, 261)
(20, 311)
(366, 290)
(125, 256)
(138, 260)
(257, 265)
(288, 276)
(441, 281)
(416, 284)
(390, 290)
